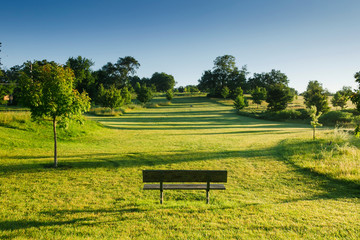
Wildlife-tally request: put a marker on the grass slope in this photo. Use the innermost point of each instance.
(97, 191)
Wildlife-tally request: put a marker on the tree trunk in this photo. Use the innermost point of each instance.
(313, 133)
(55, 143)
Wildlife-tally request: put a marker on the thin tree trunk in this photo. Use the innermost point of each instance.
(313, 133)
(55, 143)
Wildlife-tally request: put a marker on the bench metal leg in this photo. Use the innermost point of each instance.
(207, 192)
(161, 193)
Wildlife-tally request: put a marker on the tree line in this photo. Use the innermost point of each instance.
(110, 86)
(226, 80)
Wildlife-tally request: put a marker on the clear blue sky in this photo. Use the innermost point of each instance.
(305, 39)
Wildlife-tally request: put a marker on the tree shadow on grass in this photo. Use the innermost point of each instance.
(23, 224)
(139, 160)
(332, 188)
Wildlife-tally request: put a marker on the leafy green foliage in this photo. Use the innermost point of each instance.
(190, 89)
(224, 73)
(278, 97)
(144, 95)
(225, 92)
(236, 92)
(335, 118)
(266, 80)
(240, 102)
(84, 79)
(258, 95)
(117, 73)
(126, 95)
(162, 81)
(341, 97)
(111, 97)
(316, 95)
(47, 89)
(169, 94)
(314, 115)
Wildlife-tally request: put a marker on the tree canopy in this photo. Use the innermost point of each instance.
(316, 95)
(278, 97)
(47, 89)
(162, 81)
(224, 74)
(266, 80)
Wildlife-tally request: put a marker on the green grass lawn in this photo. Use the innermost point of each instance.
(281, 185)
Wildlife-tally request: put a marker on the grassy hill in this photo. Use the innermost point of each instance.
(281, 184)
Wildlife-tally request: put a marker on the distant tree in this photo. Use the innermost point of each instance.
(117, 73)
(191, 89)
(314, 119)
(84, 80)
(355, 97)
(126, 95)
(169, 94)
(266, 80)
(236, 92)
(224, 73)
(126, 66)
(258, 95)
(181, 89)
(145, 95)
(240, 102)
(110, 97)
(315, 95)
(278, 97)
(162, 81)
(225, 92)
(341, 97)
(47, 89)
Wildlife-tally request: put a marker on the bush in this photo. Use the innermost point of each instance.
(240, 102)
(336, 118)
(284, 115)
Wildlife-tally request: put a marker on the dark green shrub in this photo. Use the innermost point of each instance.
(336, 117)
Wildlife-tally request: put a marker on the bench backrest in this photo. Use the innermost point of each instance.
(184, 176)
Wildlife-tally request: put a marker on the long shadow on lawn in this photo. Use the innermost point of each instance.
(22, 224)
(332, 188)
(128, 160)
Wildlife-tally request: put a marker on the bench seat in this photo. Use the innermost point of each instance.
(184, 187)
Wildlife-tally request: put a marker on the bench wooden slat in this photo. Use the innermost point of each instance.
(184, 176)
(184, 187)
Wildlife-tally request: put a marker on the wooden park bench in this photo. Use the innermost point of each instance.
(182, 176)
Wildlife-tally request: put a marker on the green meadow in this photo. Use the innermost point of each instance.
(281, 183)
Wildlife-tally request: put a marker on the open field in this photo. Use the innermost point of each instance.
(281, 185)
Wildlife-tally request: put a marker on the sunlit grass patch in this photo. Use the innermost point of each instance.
(96, 193)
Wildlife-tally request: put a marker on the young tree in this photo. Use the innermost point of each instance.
(47, 89)
(258, 95)
(111, 97)
(316, 95)
(236, 92)
(278, 97)
(169, 94)
(340, 99)
(314, 119)
(225, 92)
(126, 95)
(145, 95)
(240, 102)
